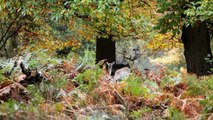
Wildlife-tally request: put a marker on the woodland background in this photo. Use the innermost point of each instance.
(53, 56)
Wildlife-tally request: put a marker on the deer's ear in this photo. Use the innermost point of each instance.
(113, 63)
(107, 63)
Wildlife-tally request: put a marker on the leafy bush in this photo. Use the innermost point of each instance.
(137, 114)
(87, 80)
(6, 66)
(1, 76)
(175, 114)
(201, 87)
(9, 107)
(87, 60)
(197, 87)
(14, 110)
(208, 101)
(36, 94)
(50, 89)
(38, 59)
(135, 87)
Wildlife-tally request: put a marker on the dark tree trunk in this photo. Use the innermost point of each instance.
(105, 49)
(196, 42)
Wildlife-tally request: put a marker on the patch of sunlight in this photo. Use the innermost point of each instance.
(170, 57)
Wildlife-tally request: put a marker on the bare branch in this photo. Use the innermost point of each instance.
(5, 41)
(5, 34)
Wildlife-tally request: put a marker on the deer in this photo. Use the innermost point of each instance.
(112, 67)
(118, 71)
(122, 73)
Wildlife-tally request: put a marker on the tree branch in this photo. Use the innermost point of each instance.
(11, 24)
(5, 41)
(2, 38)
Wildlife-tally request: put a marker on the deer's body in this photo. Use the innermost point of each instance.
(112, 67)
(119, 71)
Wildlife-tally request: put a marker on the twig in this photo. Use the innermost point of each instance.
(121, 99)
(11, 24)
(5, 41)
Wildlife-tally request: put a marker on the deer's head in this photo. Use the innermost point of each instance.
(109, 67)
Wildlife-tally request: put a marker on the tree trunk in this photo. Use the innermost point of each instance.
(105, 49)
(196, 42)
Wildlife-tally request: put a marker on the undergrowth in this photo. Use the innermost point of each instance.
(79, 89)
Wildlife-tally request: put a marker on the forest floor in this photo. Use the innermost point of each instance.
(39, 87)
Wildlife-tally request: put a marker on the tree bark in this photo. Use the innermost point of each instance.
(196, 42)
(105, 49)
